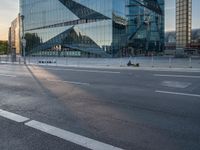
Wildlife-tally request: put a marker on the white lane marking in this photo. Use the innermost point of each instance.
(71, 137)
(176, 84)
(12, 116)
(82, 70)
(71, 82)
(176, 93)
(7, 75)
(176, 76)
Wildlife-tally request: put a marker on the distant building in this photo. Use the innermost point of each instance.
(14, 36)
(92, 27)
(9, 41)
(170, 40)
(183, 23)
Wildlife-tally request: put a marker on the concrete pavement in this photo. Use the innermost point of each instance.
(128, 109)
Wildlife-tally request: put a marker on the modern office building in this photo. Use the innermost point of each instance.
(146, 24)
(14, 39)
(183, 23)
(92, 27)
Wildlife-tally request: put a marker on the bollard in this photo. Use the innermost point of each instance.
(29, 60)
(66, 62)
(170, 62)
(152, 61)
(47, 61)
(135, 60)
(121, 62)
(190, 62)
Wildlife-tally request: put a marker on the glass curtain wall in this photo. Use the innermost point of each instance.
(146, 24)
(80, 25)
(101, 27)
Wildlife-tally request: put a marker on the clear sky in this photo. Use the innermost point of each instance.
(170, 14)
(9, 10)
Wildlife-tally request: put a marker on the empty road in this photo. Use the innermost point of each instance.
(59, 108)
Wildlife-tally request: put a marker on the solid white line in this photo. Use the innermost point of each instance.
(12, 116)
(71, 82)
(176, 93)
(7, 75)
(176, 76)
(71, 137)
(82, 70)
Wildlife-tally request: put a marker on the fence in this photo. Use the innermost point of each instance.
(7, 59)
(161, 62)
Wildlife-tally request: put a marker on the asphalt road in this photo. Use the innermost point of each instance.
(84, 108)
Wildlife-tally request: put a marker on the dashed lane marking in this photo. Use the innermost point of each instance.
(176, 93)
(176, 84)
(176, 76)
(71, 137)
(7, 75)
(12, 116)
(71, 82)
(60, 133)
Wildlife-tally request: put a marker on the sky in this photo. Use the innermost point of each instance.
(9, 10)
(170, 14)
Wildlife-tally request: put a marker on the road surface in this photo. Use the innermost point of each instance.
(59, 108)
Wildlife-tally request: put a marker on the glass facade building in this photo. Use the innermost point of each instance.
(183, 23)
(92, 27)
(146, 24)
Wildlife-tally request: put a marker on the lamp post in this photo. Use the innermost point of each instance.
(23, 39)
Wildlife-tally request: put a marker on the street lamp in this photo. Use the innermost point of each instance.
(23, 39)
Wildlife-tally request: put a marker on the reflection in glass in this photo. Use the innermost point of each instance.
(100, 28)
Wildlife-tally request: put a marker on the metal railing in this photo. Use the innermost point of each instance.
(153, 62)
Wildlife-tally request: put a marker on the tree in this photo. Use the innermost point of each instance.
(32, 41)
(3, 47)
